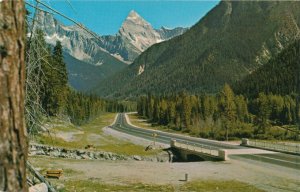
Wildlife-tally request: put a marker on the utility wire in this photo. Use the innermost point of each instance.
(68, 18)
(33, 6)
(68, 1)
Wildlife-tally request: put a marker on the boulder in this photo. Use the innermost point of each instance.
(78, 157)
(60, 187)
(54, 153)
(39, 152)
(32, 147)
(106, 156)
(84, 156)
(137, 158)
(63, 155)
(91, 155)
(41, 187)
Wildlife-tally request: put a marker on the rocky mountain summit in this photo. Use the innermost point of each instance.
(138, 32)
(77, 42)
(135, 36)
(90, 58)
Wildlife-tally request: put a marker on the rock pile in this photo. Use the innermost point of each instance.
(37, 149)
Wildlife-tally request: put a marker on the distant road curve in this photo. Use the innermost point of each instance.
(286, 160)
(122, 125)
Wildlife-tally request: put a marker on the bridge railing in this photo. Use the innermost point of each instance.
(204, 149)
(276, 146)
(201, 149)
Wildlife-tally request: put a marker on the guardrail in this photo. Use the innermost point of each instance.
(282, 147)
(203, 149)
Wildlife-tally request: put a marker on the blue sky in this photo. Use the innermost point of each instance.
(105, 17)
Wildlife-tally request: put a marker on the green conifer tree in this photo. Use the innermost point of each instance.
(227, 108)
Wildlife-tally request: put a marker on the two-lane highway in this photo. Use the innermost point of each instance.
(122, 125)
(286, 160)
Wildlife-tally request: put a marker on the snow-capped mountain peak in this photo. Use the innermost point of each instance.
(138, 32)
(134, 16)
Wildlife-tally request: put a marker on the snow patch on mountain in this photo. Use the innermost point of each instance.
(99, 63)
(55, 37)
(81, 55)
(141, 69)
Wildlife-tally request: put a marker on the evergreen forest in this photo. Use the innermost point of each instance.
(224, 116)
(48, 92)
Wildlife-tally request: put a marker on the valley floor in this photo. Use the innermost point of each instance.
(100, 175)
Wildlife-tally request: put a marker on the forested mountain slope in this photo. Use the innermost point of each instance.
(231, 41)
(84, 76)
(281, 75)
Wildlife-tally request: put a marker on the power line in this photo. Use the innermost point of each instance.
(68, 1)
(66, 17)
(33, 6)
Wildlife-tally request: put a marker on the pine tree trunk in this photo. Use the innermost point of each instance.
(13, 144)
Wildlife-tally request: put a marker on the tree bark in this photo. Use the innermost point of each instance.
(13, 143)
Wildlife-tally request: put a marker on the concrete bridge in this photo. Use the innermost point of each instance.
(189, 152)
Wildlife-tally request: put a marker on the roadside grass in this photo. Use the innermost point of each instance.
(282, 142)
(66, 135)
(194, 186)
(139, 121)
(94, 185)
(129, 149)
(217, 185)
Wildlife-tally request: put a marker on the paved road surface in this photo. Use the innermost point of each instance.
(292, 161)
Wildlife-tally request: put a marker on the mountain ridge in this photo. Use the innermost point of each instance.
(231, 41)
(98, 51)
(135, 36)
